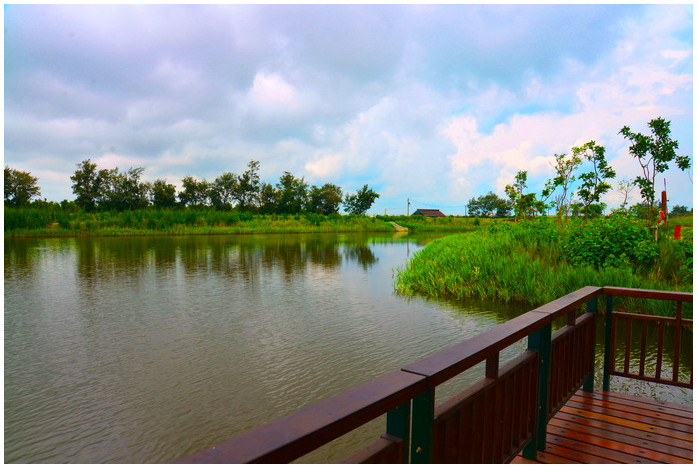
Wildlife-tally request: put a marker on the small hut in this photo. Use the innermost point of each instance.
(432, 213)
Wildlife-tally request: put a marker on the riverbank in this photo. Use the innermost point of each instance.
(32, 222)
(536, 262)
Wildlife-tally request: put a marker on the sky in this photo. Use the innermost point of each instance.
(435, 104)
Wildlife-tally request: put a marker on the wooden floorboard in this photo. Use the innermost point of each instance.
(604, 427)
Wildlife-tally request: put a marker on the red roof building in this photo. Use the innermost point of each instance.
(432, 213)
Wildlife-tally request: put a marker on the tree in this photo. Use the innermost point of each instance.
(325, 200)
(88, 185)
(488, 205)
(268, 198)
(625, 187)
(524, 204)
(654, 153)
(124, 191)
(679, 210)
(361, 201)
(20, 187)
(593, 182)
(564, 168)
(194, 192)
(223, 190)
(292, 194)
(163, 194)
(248, 186)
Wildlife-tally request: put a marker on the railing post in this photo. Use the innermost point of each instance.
(540, 341)
(607, 344)
(592, 306)
(422, 426)
(398, 425)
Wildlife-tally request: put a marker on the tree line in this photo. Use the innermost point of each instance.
(577, 193)
(111, 189)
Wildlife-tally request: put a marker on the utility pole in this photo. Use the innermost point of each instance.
(408, 206)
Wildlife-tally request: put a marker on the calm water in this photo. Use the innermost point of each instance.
(144, 350)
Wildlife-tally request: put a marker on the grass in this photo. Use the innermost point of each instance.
(38, 222)
(53, 221)
(526, 264)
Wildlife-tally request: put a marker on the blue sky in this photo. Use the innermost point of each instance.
(438, 104)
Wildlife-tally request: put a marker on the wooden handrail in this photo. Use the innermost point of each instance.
(291, 437)
(648, 294)
(612, 318)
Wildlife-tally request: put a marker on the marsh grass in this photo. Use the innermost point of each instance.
(526, 263)
(41, 222)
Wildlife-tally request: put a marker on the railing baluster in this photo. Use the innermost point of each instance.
(643, 348)
(540, 341)
(677, 342)
(398, 425)
(628, 340)
(422, 427)
(660, 350)
(592, 306)
(609, 357)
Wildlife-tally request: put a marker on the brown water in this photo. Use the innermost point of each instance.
(145, 350)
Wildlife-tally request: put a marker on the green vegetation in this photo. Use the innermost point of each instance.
(540, 260)
(58, 222)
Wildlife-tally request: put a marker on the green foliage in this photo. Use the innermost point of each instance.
(680, 210)
(528, 262)
(613, 242)
(324, 200)
(292, 194)
(488, 205)
(594, 183)
(361, 201)
(20, 187)
(654, 153)
(88, 185)
(564, 177)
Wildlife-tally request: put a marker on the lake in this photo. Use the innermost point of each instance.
(147, 349)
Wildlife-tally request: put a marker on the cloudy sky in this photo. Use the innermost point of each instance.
(437, 104)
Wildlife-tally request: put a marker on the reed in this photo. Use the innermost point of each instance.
(523, 263)
(55, 222)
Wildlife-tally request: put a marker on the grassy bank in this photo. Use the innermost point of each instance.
(57, 222)
(40, 222)
(537, 262)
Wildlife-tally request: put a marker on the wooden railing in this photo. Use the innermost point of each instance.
(492, 421)
(653, 329)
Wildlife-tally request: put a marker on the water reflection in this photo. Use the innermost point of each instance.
(146, 349)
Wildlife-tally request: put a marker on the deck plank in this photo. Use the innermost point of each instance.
(603, 427)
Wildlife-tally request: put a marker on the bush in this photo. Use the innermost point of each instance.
(612, 242)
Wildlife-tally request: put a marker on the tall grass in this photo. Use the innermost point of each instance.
(523, 263)
(44, 222)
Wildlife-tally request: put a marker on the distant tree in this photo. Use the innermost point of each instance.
(564, 169)
(594, 183)
(654, 153)
(680, 211)
(194, 193)
(88, 185)
(625, 187)
(292, 195)
(324, 200)
(524, 204)
(246, 191)
(223, 190)
(268, 198)
(163, 194)
(20, 187)
(361, 201)
(124, 191)
(488, 205)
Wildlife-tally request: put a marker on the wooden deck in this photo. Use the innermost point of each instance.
(609, 427)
